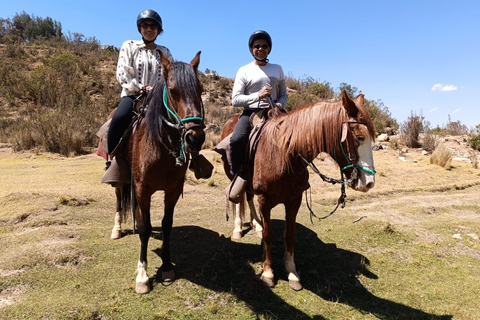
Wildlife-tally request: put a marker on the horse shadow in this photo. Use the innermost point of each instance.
(222, 265)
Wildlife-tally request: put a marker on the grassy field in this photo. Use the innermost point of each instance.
(408, 249)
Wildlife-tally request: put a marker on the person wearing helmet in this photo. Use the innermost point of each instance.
(256, 86)
(138, 70)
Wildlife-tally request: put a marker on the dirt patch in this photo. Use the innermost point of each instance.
(11, 295)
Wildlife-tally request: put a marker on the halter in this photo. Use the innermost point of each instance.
(353, 176)
(179, 125)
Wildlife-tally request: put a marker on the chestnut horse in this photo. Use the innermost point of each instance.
(170, 129)
(279, 172)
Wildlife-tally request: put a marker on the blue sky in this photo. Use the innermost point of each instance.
(416, 56)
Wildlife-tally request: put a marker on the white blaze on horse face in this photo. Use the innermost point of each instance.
(366, 180)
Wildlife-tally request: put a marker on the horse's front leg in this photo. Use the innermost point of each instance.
(239, 216)
(255, 221)
(291, 210)
(267, 276)
(117, 227)
(171, 198)
(144, 227)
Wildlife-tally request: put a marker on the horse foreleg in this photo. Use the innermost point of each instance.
(255, 221)
(267, 276)
(171, 198)
(144, 226)
(239, 216)
(117, 227)
(291, 210)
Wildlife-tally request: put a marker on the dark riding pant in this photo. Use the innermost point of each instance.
(239, 141)
(120, 121)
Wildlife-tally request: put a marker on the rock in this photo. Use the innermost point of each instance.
(473, 236)
(383, 138)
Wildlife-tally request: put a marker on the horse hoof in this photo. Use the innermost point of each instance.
(295, 285)
(142, 288)
(116, 234)
(168, 276)
(268, 281)
(236, 235)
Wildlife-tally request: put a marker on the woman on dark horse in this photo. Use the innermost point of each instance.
(255, 84)
(138, 70)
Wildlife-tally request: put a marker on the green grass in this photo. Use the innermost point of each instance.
(399, 261)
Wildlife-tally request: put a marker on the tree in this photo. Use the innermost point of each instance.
(352, 91)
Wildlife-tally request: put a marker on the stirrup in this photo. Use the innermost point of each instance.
(236, 188)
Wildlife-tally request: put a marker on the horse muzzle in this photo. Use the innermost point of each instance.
(194, 139)
(364, 182)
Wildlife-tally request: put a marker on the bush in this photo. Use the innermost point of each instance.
(442, 157)
(430, 141)
(474, 141)
(410, 131)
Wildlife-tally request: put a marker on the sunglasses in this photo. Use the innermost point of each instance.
(145, 25)
(263, 46)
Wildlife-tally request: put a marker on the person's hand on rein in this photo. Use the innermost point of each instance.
(265, 92)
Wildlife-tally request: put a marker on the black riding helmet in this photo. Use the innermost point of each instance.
(149, 15)
(260, 34)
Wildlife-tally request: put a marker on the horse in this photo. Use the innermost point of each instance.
(169, 130)
(239, 208)
(289, 142)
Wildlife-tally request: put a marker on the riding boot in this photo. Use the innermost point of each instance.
(236, 188)
(117, 173)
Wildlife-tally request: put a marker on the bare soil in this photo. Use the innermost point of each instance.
(417, 211)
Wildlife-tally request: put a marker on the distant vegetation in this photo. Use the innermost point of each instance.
(57, 90)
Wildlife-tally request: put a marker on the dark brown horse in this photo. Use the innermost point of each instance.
(170, 130)
(342, 129)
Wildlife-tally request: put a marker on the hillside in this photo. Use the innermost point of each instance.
(54, 97)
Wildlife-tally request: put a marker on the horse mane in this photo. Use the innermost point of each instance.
(188, 86)
(308, 130)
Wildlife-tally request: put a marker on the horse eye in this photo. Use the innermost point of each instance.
(360, 138)
(173, 92)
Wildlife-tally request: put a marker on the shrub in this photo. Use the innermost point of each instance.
(410, 130)
(442, 157)
(381, 116)
(474, 141)
(430, 141)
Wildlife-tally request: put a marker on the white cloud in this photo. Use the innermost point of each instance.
(455, 111)
(432, 110)
(444, 87)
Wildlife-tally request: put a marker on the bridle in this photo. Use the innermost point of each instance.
(351, 163)
(178, 123)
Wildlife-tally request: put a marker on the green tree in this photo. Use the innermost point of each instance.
(352, 91)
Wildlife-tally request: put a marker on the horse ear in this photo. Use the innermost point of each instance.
(196, 61)
(360, 99)
(166, 64)
(349, 105)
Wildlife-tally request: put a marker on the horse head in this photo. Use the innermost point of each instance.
(356, 144)
(183, 98)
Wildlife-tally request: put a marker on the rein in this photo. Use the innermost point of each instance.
(179, 125)
(353, 176)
